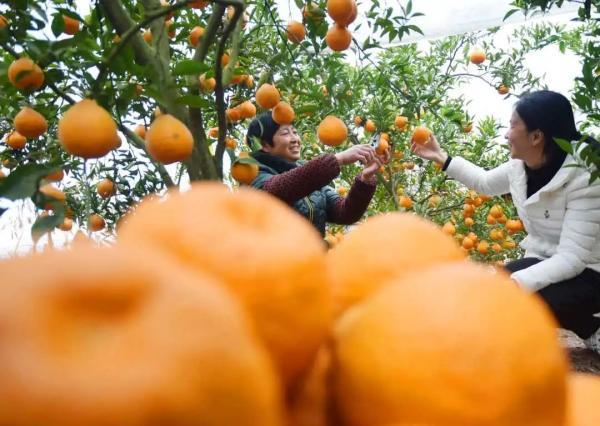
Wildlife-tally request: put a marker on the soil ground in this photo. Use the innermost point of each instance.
(582, 359)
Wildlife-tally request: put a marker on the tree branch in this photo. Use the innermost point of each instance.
(127, 35)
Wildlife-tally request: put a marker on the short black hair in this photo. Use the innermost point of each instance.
(262, 127)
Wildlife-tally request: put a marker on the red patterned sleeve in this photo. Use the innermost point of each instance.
(297, 183)
(349, 210)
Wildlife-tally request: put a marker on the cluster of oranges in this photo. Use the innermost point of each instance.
(499, 236)
(392, 326)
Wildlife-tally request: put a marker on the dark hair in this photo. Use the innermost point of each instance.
(551, 113)
(262, 127)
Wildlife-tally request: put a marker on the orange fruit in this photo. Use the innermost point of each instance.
(53, 193)
(67, 224)
(16, 140)
(405, 202)
(496, 234)
(267, 96)
(56, 176)
(358, 120)
(105, 188)
(496, 247)
(509, 244)
(287, 296)
(496, 211)
(207, 84)
(370, 126)
(467, 243)
(401, 122)
(195, 35)
(383, 145)
(295, 31)
(224, 59)
(310, 405)
(24, 74)
(87, 130)
(467, 128)
(71, 25)
(392, 370)
(503, 90)
(469, 222)
(147, 35)
(583, 400)
(477, 55)
(3, 22)
(169, 140)
(233, 115)
(213, 132)
(96, 222)
(491, 220)
(357, 273)
(283, 113)
(351, 18)
(514, 225)
(140, 130)
(125, 336)
(338, 38)
(244, 172)
(247, 109)
(30, 123)
(342, 190)
(230, 143)
(340, 10)
(468, 210)
(332, 131)
(482, 247)
(421, 135)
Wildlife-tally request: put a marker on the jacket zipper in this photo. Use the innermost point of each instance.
(310, 209)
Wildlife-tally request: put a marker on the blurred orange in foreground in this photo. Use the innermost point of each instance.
(123, 337)
(271, 258)
(452, 344)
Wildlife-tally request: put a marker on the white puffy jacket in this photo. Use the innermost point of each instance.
(562, 219)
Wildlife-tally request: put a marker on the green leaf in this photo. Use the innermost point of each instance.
(58, 25)
(23, 182)
(246, 160)
(189, 67)
(565, 145)
(193, 101)
(510, 13)
(46, 224)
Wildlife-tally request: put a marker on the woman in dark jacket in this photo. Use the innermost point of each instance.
(305, 185)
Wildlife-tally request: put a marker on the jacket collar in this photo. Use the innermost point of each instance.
(559, 179)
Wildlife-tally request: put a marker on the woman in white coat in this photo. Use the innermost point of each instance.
(559, 209)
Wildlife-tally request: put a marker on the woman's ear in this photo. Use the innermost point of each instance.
(537, 137)
(265, 146)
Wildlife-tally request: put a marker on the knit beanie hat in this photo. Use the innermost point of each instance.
(262, 127)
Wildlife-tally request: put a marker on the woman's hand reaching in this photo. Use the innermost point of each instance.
(363, 153)
(430, 150)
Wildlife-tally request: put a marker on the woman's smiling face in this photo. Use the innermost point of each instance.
(286, 143)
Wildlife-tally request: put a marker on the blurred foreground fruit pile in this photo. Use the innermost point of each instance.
(225, 308)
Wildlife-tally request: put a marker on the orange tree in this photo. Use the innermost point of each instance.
(198, 62)
(414, 87)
